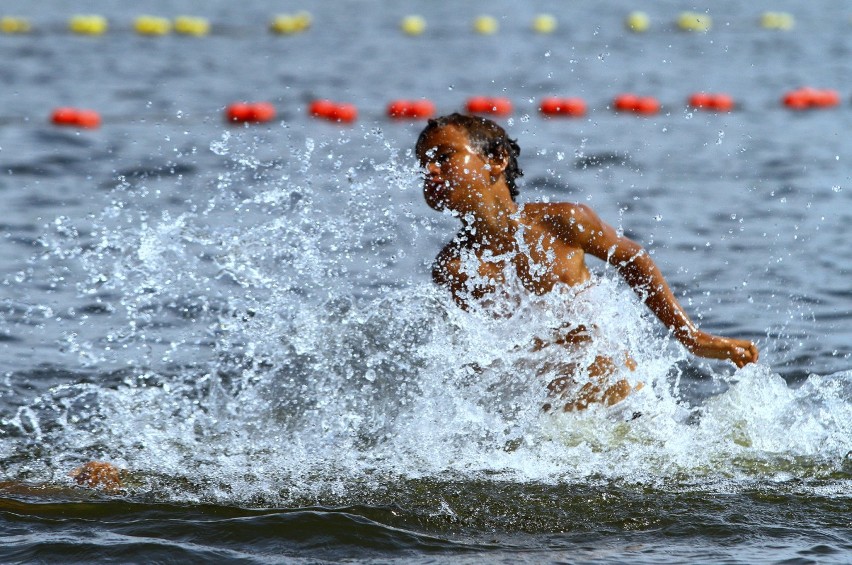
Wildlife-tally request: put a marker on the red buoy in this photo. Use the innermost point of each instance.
(552, 106)
(242, 112)
(75, 117)
(636, 104)
(826, 98)
(238, 112)
(501, 106)
(723, 103)
(718, 102)
(486, 105)
(419, 109)
(700, 100)
(807, 97)
(64, 116)
(398, 109)
(625, 102)
(647, 105)
(334, 111)
(88, 119)
(263, 112)
(796, 100)
(344, 113)
(422, 109)
(479, 105)
(321, 108)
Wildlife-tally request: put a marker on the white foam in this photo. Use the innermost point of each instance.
(282, 368)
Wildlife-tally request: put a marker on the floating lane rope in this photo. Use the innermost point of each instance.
(803, 98)
(289, 24)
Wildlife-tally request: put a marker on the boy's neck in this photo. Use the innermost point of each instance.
(493, 222)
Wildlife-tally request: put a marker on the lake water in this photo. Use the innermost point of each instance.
(243, 317)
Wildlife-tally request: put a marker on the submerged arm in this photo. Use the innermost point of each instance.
(633, 263)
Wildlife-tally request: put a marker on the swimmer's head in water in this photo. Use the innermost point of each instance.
(487, 138)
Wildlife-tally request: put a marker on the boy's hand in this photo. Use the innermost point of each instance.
(740, 351)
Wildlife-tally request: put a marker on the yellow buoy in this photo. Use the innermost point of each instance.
(694, 21)
(191, 25)
(152, 25)
(485, 25)
(777, 20)
(11, 24)
(283, 24)
(303, 20)
(287, 24)
(88, 24)
(638, 22)
(413, 25)
(544, 23)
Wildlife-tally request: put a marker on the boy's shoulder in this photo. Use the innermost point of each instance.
(558, 212)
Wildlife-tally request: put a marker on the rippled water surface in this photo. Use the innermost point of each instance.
(242, 317)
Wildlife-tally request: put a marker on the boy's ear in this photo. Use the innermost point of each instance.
(498, 165)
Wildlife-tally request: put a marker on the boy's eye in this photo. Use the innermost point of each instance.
(435, 156)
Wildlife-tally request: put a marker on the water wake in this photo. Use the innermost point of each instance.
(278, 340)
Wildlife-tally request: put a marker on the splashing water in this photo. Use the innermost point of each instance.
(279, 340)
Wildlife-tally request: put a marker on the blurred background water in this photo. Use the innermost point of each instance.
(243, 316)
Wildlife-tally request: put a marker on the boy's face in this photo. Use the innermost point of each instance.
(454, 173)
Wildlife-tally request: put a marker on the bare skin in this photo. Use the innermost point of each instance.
(94, 474)
(98, 474)
(556, 238)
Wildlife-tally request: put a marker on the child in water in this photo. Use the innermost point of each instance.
(470, 166)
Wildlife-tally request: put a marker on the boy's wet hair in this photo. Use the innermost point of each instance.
(487, 138)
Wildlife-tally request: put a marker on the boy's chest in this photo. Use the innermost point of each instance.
(540, 264)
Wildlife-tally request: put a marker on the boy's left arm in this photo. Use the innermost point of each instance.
(586, 230)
